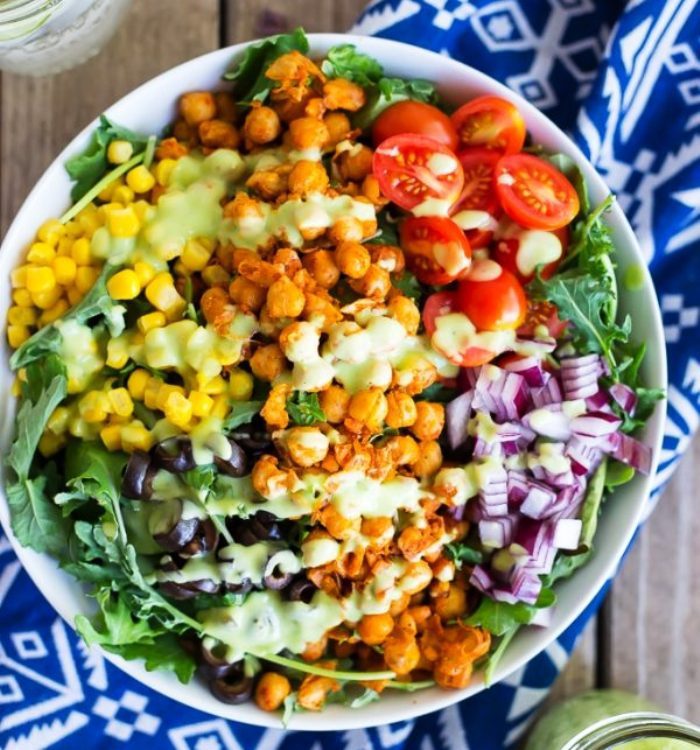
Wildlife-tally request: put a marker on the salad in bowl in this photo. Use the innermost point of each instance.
(322, 388)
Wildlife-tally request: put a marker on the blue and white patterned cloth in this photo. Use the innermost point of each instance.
(624, 78)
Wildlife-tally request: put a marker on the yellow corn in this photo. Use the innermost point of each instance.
(40, 279)
(149, 321)
(94, 407)
(145, 272)
(51, 232)
(17, 335)
(80, 252)
(211, 386)
(58, 421)
(196, 254)
(163, 170)
(73, 229)
(136, 384)
(121, 402)
(22, 316)
(74, 296)
(123, 222)
(240, 385)
(48, 299)
(89, 223)
(18, 277)
(119, 152)
(117, 352)
(124, 285)
(150, 393)
(54, 312)
(79, 428)
(139, 179)
(143, 209)
(111, 436)
(221, 407)
(164, 393)
(201, 404)
(64, 269)
(178, 409)
(50, 444)
(135, 436)
(123, 194)
(22, 298)
(161, 293)
(106, 193)
(85, 278)
(41, 253)
(216, 276)
(63, 247)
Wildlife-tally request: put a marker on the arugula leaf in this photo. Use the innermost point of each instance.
(565, 566)
(344, 61)
(389, 91)
(500, 617)
(242, 412)
(87, 168)
(497, 654)
(248, 74)
(461, 553)
(387, 233)
(201, 477)
(617, 474)
(408, 284)
(438, 392)
(214, 601)
(304, 408)
(595, 493)
(164, 652)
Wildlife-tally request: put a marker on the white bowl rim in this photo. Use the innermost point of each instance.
(406, 706)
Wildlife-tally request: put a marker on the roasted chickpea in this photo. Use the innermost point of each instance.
(268, 183)
(377, 526)
(338, 125)
(315, 651)
(401, 652)
(453, 605)
(347, 228)
(430, 459)
(321, 311)
(184, 132)
(307, 177)
(218, 134)
(268, 362)
(288, 259)
(314, 690)
(403, 450)
(262, 125)
(306, 445)
(375, 283)
(430, 420)
(214, 303)
(339, 93)
(271, 690)
(337, 525)
(388, 257)
(171, 148)
(247, 295)
(400, 604)
(355, 163)
(308, 132)
(226, 106)
(415, 375)
(401, 410)
(274, 412)
(374, 629)
(322, 267)
(369, 407)
(405, 310)
(284, 299)
(352, 259)
(242, 206)
(416, 577)
(269, 480)
(372, 191)
(334, 402)
(197, 106)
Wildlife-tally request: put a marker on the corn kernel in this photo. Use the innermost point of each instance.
(80, 252)
(124, 285)
(79, 428)
(149, 321)
(123, 194)
(89, 224)
(18, 277)
(195, 255)
(221, 407)
(178, 409)
(240, 385)
(73, 229)
(117, 353)
(144, 271)
(94, 407)
(22, 298)
(119, 151)
(163, 170)
(136, 384)
(161, 293)
(16, 388)
(54, 312)
(216, 276)
(51, 232)
(40, 279)
(85, 278)
(64, 247)
(123, 222)
(58, 421)
(143, 209)
(74, 296)
(121, 402)
(17, 335)
(111, 436)
(22, 316)
(45, 300)
(64, 269)
(50, 444)
(211, 386)
(106, 193)
(139, 179)
(150, 394)
(135, 436)
(201, 404)
(41, 254)
(164, 393)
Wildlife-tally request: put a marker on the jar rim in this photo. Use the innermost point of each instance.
(611, 732)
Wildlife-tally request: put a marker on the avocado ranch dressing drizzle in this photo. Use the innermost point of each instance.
(366, 354)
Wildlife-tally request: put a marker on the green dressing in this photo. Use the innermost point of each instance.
(80, 353)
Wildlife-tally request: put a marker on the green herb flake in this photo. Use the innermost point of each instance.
(304, 408)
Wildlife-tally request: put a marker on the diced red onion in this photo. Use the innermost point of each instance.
(583, 456)
(634, 453)
(598, 402)
(543, 562)
(525, 585)
(538, 346)
(539, 499)
(567, 533)
(580, 361)
(559, 481)
(530, 368)
(457, 414)
(481, 579)
(497, 533)
(501, 392)
(503, 595)
(518, 486)
(624, 396)
(595, 424)
(467, 377)
(549, 421)
(550, 393)
(484, 448)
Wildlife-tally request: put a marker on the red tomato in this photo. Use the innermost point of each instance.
(436, 250)
(478, 193)
(415, 117)
(542, 313)
(491, 122)
(413, 168)
(506, 253)
(534, 193)
(492, 298)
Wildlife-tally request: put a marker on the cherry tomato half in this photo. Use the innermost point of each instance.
(492, 298)
(490, 122)
(542, 313)
(478, 193)
(534, 193)
(436, 250)
(506, 253)
(413, 168)
(414, 117)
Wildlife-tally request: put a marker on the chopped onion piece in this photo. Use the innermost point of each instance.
(624, 396)
(634, 453)
(457, 414)
(567, 533)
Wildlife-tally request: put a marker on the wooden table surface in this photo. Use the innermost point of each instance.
(645, 638)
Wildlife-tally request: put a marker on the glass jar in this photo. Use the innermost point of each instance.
(43, 37)
(605, 719)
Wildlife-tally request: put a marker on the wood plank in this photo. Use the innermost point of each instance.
(39, 115)
(656, 603)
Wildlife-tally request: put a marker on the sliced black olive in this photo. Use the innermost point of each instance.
(301, 590)
(273, 577)
(205, 539)
(181, 534)
(260, 527)
(236, 465)
(239, 588)
(254, 437)
(215, 666)
(174, 455)
(188, 590)
(137, 482)
(232, 689)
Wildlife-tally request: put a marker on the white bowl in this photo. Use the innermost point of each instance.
(152, 106)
